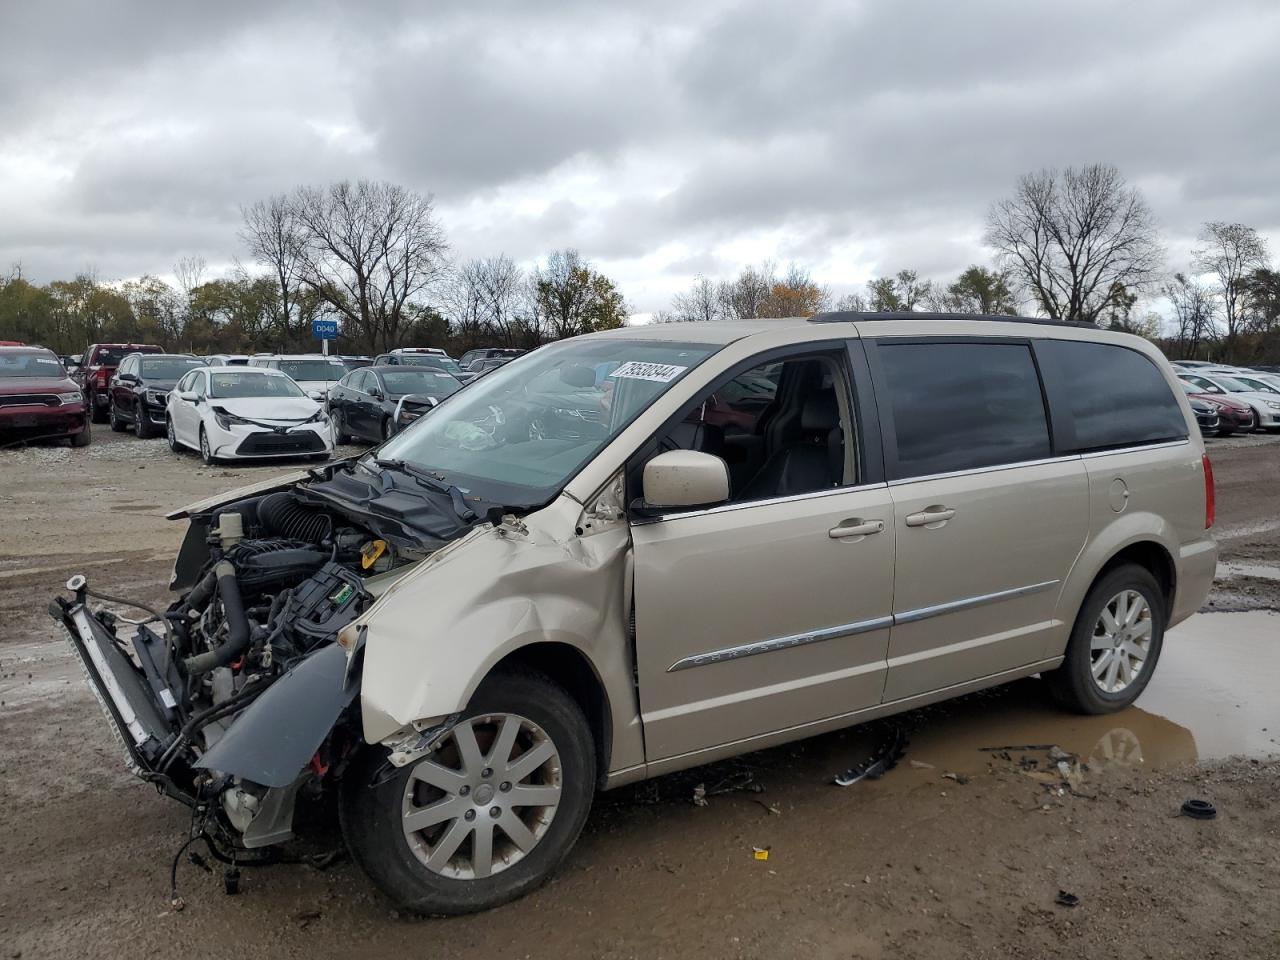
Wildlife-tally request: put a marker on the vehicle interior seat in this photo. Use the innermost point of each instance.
(815, 461)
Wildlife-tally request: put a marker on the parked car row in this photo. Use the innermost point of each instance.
(1243, 399)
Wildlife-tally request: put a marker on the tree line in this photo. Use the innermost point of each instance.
(1078, 244)
(370, 255)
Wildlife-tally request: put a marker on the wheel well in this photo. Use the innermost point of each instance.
(1153, 558)
(569, 668)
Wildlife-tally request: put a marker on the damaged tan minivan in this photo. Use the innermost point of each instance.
(637, 551)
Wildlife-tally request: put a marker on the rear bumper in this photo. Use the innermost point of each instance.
(1197, 566)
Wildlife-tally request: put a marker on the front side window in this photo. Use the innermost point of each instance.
(1114, 396)
(962, 405)
(519, 434)
(780, 427)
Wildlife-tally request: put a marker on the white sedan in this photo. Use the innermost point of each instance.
(239, 413)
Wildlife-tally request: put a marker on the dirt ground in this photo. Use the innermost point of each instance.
(959, 851)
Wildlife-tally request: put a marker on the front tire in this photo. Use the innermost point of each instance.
(206, 452)
(388, 429)
(339, 421)
(1115, 643)
(141, 422)
(171, 435)
(113, 418)
(83, 438)
(489, 814)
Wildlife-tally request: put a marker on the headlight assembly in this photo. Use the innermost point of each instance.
(226, 419)
(76, 397)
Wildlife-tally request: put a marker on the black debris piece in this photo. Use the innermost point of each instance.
(1199, 810)
(890, 746)
(1065, 899)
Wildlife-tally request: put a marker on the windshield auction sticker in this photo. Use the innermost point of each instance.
(658, 372)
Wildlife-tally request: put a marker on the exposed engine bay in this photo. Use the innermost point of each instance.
(236, 698)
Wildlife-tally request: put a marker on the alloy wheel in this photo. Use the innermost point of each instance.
(484, 798)
(1121, 641)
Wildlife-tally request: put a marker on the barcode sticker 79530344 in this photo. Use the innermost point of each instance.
(640, 370)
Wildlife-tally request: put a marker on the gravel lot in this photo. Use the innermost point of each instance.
(958, 852)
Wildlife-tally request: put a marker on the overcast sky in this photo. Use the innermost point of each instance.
(662, 140)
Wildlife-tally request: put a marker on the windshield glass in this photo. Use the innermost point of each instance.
(313, 369)
(30, 364)
(1230, 383)
(248, 384)
(435, 383)
(516, 436)
(169, 368)
(427, 360)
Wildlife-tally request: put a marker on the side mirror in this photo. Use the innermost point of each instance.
(188, 395)
(375, 393)
(685, 478)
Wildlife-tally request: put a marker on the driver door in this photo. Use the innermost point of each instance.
(772, 611)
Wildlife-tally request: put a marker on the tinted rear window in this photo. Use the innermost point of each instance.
(1114, 396)
(960, 406)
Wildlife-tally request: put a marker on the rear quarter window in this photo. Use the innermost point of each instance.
(1108, 396)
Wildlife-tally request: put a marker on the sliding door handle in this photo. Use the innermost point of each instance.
(929, 516)
(855, 527)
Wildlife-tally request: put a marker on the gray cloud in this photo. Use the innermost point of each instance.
(857, 138)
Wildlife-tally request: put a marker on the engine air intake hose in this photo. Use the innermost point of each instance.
(237, 625)
(285, 517)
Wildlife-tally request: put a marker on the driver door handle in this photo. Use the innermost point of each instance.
(855, 527)
(930, 516)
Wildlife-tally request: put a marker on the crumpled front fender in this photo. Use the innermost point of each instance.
(440, 630)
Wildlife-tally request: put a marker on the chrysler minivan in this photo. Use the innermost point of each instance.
(637, 551)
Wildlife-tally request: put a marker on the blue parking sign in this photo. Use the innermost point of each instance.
(324, 329)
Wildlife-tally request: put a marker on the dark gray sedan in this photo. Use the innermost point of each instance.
(374, 403)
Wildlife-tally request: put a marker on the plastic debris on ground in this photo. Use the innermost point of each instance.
(889, 748)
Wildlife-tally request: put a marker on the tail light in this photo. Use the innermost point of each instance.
(1208, 492)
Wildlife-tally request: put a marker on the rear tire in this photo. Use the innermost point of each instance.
(377, 799)
(142, 422)
(96, 413)
(1125, 655)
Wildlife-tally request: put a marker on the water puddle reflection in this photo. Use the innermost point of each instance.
(1213, 695)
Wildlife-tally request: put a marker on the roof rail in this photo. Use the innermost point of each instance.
(851, 316)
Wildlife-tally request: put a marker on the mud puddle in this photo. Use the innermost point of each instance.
(1212, 696)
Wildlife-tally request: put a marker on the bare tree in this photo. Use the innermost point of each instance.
(189, 272)
(1231, 252)
(488, 297)
(852, 301)
(368, 249)
(702, 301)
(745, 296)
(1194, 311)
(274, 237)
(1075, 237)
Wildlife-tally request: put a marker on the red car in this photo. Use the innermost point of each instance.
(38, 399)
(1234, 416)
(97, 366)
